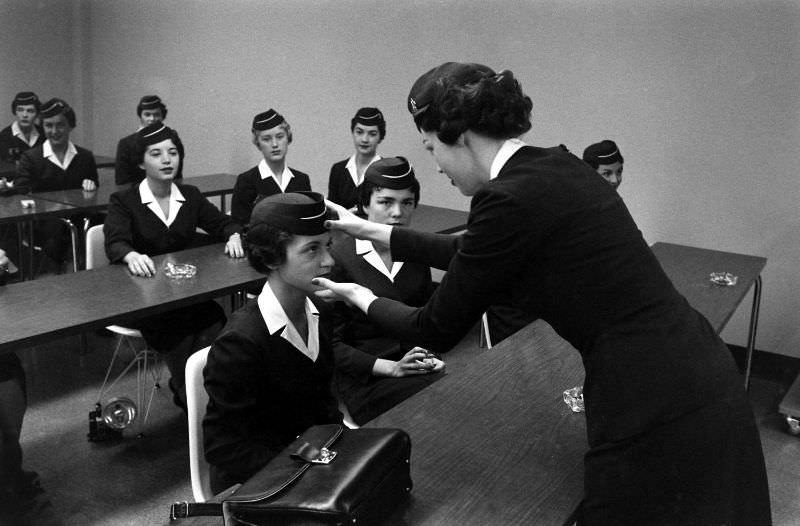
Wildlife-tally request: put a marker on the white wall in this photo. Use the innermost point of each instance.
(702, 97)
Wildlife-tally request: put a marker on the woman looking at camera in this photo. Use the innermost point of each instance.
(158, 216)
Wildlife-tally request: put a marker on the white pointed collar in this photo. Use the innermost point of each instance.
(278, 322)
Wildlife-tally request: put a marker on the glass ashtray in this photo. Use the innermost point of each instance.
(179, 270)
(574, 399)
(725, 279)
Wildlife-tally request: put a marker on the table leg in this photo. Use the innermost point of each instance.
(222, 203)
(751, 334)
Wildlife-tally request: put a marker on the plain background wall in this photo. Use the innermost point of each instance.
(702, 96)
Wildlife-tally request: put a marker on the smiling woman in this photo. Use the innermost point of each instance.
(158, 216)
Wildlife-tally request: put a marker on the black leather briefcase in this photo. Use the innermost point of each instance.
(329, 475)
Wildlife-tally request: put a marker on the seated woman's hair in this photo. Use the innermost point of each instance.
(154, 134)
(395, 173)
(54, 107)
(455, 97)
(151, 102)
(25, 98)
(369, 117)
(267, 120)
(276, 219)
(603, 152)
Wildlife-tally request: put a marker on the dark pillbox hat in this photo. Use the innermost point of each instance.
(24, 98)
(603, 152)
(301, 213)
(53, 107)
(267, 120)
(153, 134)
(430, 84)
(369, 117)
(395, 173)
(150, 102)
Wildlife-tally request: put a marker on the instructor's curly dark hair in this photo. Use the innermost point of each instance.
(480, 100)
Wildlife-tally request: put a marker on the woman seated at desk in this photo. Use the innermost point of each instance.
(268, 374)
(375, 371)
(368, 129)
(672, 438)
(158, 216)
(272, 135)
(57, 164)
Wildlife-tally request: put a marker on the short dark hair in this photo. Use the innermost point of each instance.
(271, 249)
(367, 188)
(359, 118)
(480, 100)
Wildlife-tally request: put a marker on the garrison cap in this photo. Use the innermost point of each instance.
(151, 102)
(426, 89)
(603, 152)
(395, 173)
(369, 117)
(267, 120)
(53, 107)
(25, 98)
(154, 134)
(300, 213)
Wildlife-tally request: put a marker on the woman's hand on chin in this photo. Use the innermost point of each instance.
(350, 293)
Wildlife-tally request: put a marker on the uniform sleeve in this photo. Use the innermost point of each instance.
(213, 221)
(91, 169)
(230, 373)
(503, 231)
(118, 229)
(349, 360)
(25, 180)
(429, 249)
(333, 186)
(122, 170)
(242, 199)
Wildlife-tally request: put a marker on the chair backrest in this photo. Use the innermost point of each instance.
(95, 247)
(196, 402)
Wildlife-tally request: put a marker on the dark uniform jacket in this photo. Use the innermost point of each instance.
(126, 167)
(11, 147)
(341, 188)
(132, 226)
(40, 175)
(250, 188)
(359, 342)
(263, 392)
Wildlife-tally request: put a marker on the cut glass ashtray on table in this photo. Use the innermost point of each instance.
(725, 279)
(574, 399)
(179, 270)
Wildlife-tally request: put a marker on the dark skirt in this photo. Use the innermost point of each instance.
(705, 468)
(165, 331)
(366, 401)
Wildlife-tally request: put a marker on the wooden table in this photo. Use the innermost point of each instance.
(55, 306)
(437, 219)
(104, 161)
(492, 442)
(12, 211)
(689, 268)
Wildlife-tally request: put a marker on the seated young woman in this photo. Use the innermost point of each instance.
(56, 164)
(375, 371)
(272, 135)
(368, 129)
(268, 374)
(158, 216)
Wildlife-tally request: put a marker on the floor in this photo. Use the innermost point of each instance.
(133, 481)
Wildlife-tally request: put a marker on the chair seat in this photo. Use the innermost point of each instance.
(125, 331)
